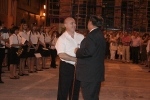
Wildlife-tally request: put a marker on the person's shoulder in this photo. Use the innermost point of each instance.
(62, 37)
(11, 36)
(20, 32)
(29, 32)
(79, 35)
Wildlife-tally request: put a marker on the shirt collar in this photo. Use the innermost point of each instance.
(93, 29)
(68, 35)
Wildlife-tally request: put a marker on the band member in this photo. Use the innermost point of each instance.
(33, 41)
(53, 51)
(24, 36)
(47, 39)
(41, 48)
(65, 46)
(3, 39)
(15, 43)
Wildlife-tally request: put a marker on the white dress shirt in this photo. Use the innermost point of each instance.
(24, 35)
(4, 36)
(67, 44)
(33, 37)
(47, 37)
(41, 37)
(14, 39)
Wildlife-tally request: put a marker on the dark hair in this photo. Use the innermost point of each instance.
(12, 30)
(57, 33)
(1, 23)
(97, 20)
(34, 24)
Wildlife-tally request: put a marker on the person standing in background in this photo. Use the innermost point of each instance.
(126, 40)
(4, 37)
(23, 35)
(136, 46)
(33, 47)
(15, 43)
(53, 51)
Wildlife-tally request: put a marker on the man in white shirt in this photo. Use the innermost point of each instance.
(65, 46)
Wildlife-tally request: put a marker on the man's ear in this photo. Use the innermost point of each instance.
(65, 24)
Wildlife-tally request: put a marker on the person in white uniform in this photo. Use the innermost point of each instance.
(15, 43)
(25, 37)
(33, 47)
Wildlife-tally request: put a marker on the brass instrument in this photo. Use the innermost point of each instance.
(19, 52)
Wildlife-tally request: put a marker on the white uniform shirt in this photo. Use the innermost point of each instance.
(14, 39)
(4, 36)
(41, 37)
(47, 38)
(33, 37)
(148, 46)
(67, 44)
(24, 35)
(53, 43)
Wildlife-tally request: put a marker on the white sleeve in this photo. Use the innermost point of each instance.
(11, 40)
(60, 46)
(7, 36)
(148, 46)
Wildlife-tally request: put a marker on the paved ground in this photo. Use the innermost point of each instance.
(123, 82)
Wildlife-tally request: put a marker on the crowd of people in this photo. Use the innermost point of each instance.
(129, 47)
(23, 47)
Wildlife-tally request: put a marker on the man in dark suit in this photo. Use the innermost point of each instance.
(90, 60)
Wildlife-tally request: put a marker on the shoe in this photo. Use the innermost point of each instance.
(2, 72)
(149, 71)
(40, 70)
(25, 74)
(1, 82)
(17, 77)
(20, 74)
(13, 77)
(146, 66)
(44, 68)
(53, 67)
(30, 71)
(35, 71)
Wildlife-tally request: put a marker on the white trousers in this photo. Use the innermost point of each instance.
(112, 54)
(126, 53)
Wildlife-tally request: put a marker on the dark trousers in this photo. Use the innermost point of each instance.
(90, 90)
(135, 54)
(53, 56)
(2, 55)
(66, 82)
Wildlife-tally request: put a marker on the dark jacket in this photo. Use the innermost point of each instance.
(90, 57)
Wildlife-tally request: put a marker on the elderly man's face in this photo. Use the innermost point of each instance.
(70, 24)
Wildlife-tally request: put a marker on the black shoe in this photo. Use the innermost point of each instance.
(25, 74)
(2, 72)
(149, 71)
(53, 67)
(1, 82)
(40, 70)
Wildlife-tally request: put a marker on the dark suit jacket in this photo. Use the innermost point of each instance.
(90, 57)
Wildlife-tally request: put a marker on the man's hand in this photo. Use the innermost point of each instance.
(75, 50)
